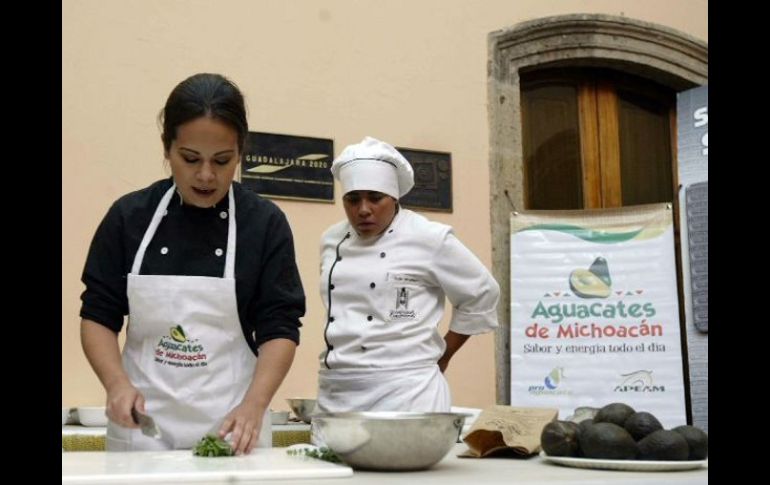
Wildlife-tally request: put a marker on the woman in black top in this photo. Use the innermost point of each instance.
(206, 272)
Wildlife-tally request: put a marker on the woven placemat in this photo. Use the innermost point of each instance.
(287, 438)
(82, 442)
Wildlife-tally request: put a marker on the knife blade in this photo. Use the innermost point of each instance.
(149, 428)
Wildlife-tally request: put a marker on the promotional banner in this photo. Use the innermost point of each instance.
(594, 311)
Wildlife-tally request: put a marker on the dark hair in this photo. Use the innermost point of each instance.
(204, 94)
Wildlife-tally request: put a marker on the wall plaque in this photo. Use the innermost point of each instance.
(432, 180)
(286, 166)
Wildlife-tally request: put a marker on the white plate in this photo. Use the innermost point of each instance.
(92, 415)
(279, 417)
(631, 465)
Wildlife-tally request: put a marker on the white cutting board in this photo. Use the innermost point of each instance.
(181, 466)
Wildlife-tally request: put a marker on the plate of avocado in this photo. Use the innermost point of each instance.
(617, 437)
(627, 465)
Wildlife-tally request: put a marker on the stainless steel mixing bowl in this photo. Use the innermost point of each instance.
(389, 440)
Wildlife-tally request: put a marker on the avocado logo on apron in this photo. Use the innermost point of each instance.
(177, 350)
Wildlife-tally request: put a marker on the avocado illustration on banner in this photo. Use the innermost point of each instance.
(178, 334)
(594, 282)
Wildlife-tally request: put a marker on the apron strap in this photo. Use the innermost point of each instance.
(150, 232)
(230, 259)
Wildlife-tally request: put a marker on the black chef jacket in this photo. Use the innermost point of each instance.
(193, 241)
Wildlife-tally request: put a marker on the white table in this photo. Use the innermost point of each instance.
(180, 466)
(461, 471)
(526, 471)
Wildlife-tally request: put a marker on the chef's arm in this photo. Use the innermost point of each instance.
(453, 343)
(275, 358)
(245, 420)
(468, 285)
(100, 345)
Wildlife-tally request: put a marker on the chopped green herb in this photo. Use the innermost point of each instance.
(322, 453)
(211, 445)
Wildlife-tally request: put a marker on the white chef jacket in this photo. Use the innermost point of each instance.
(385, 295)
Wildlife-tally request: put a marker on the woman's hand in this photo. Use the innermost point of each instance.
(244, 422)
(100, 345)
(443, 363)
(121, 398)
(453, 343)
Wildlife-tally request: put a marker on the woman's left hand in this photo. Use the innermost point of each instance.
(244, 422)
(453, 343)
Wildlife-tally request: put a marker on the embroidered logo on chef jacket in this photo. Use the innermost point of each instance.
(404, 285)
(402, 298)
(178, 350)
(402, 311)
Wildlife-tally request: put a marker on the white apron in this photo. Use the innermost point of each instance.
(185, 350)
(420, 389)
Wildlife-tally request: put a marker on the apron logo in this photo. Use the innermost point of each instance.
(178, 350)
(402, 311)
(177, 333)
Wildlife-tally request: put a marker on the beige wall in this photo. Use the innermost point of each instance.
(411, 72)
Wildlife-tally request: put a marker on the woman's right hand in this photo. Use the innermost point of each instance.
(121, 398)
(101, 347)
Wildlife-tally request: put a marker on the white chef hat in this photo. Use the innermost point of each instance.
(373, 165)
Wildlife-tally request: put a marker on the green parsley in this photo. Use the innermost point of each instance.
(211, 445)
(322, 453)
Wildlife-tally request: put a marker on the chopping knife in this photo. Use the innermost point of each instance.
(149, 428)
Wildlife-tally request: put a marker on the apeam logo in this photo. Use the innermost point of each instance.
(550, 384)
(594, 282)
(638, 381)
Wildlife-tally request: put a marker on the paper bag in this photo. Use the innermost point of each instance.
(508, 428)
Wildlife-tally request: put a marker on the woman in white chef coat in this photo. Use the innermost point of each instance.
(205, 270)
(385, 273)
